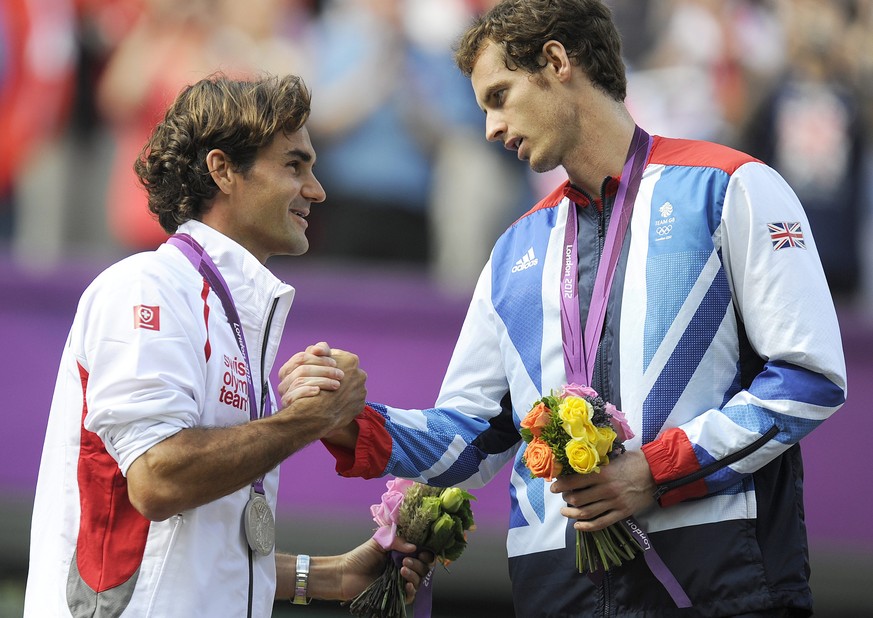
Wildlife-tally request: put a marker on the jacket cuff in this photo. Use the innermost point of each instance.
(372, 450)
(671, 457)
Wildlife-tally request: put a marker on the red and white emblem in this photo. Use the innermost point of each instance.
(148, 317)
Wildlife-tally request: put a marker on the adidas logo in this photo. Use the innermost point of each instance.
(528, 260)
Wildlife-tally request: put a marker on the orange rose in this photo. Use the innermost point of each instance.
(536, 419)
(540, 460)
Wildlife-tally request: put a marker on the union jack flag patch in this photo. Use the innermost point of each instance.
(786, 234)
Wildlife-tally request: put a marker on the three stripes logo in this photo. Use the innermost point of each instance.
(528, 260)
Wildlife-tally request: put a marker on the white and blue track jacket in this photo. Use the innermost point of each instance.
(721, 345)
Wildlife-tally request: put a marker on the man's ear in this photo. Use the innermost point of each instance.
(557, 60)
(221, 169)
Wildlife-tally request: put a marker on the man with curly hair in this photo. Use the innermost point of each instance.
(677, 278)
(159, 473)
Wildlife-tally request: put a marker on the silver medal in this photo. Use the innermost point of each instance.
(260, 525)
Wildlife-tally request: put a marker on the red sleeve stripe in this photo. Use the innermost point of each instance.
(373, 450)
(672, 457)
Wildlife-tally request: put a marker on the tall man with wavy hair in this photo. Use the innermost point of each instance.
(677, 278)
(159, 474)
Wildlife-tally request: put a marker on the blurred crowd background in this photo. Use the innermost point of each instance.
(416, 197)
(409, 177)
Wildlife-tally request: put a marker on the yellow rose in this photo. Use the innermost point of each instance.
(575, 414)
(582, 456)
(605, 438)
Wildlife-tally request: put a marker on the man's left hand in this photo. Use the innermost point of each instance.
(361, 566)
(621, 489)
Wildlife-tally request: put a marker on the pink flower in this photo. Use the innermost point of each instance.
(619, 423)
(577, 390)
(386, 512)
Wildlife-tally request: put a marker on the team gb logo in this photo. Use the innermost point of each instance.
(666, 210)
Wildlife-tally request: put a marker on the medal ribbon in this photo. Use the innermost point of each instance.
(201, 261)
(579, 363)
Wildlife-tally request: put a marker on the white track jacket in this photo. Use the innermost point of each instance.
(150, 353)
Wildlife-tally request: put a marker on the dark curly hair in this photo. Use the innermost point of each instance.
(584, 27)
(238, 117)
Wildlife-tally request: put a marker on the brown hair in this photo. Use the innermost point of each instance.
(238, 117)
(584, 27)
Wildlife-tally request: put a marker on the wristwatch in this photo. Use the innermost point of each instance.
(301, 581)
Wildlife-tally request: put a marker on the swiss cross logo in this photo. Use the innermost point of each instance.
(145, 316)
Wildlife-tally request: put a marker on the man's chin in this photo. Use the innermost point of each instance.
(299, 249)
(294, 249)
(541, 167)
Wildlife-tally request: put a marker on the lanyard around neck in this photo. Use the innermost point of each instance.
(198, 257)
(579, 352)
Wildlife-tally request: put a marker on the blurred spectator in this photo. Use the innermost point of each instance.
(262, 35)
(37, 64)
(858, 45)
(174, 44)
(165, 50)
(695, 81)
(809, 129)
(477, 189)
(399, 140)
(397, 130)
(638, 27)
(371, 134)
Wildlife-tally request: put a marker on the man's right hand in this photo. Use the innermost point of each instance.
(329, 409)
(198, 465)
(308, 372)
(352, 393)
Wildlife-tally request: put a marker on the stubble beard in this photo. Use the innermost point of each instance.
(541, 165)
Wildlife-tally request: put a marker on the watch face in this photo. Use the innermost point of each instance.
(259, 525)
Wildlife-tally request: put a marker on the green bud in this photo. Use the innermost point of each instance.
(465, 514)
(452, 498)
(430, 507)
(442, 534)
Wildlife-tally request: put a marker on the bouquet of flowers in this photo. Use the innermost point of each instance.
(575, 431)
(433, 518)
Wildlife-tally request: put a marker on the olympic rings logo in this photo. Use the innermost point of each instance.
(663, 230)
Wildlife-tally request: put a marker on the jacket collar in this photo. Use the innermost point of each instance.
(252, 286)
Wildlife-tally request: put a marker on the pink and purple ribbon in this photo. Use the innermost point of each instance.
(580, 352)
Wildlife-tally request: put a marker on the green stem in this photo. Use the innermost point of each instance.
(580, 565)
(604, 562)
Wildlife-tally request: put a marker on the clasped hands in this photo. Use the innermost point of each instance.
(321, 369)
(315, 369)
(326, 387)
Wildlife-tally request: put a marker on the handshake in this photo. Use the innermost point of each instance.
(324, 389)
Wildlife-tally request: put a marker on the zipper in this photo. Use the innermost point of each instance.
(251, 582)
(716, 465)
(598, 375)
(264, 392)
(264, 378)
